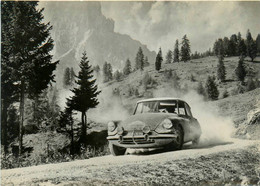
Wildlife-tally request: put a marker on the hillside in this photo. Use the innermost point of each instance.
(190, 74)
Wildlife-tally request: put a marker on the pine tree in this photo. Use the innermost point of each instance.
(232, 47)
(251, 46)
(107, 72)
(117, 75)
(242, 51)
(185, 49)
(66, 78)
(127, 69)
(27, 50)
(219, 47)
(139, 60)
(158, 60)
(85, 94)
(168, 57)
(226, 46)
(105, 76)
(211, 89)
(146, 62)
(221, 70)
(176, 52)
(240, 70)
(258, 43)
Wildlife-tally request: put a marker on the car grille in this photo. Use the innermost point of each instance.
(135, 141)
(136, 137)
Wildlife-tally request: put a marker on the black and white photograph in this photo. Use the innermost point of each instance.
(130, 93)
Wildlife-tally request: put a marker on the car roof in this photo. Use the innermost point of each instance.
(160, 99)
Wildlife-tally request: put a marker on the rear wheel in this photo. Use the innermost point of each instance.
(115, 150)
(178, 142)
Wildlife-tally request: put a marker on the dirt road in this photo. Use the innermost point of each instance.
(141, 168)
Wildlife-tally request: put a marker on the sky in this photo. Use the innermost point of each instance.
(159, 24)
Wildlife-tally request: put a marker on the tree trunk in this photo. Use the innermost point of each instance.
(35, 111)
(4, 125)
(21, 118)
(84, 127)
(72, 151)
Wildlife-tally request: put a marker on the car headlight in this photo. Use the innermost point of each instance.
(111, 126)
(167, 123)
(146, 129)
(120, 130)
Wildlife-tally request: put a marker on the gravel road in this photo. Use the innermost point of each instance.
(102, 167)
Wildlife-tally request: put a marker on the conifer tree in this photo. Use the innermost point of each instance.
(127, 69)
(219, 47)
(118, 75)
(139, 60)
(158, 60)
(242, 51)
(66, 78)
(240, 70)
(176, 51)
(232, 45)
(226, 46)
(85, 94)
(251, 46)
(27, 45)
(221, 70)
(258, 43)
(211, 89)
(168, 57)
(107, 72)
(185, 49)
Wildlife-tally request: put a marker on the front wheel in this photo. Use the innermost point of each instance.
(178, 142)
(115, 150)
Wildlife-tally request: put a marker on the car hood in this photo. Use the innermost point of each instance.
(152, 120)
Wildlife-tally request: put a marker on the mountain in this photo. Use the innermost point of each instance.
(79, 26)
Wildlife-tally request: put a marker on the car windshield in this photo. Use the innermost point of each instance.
(167, 106)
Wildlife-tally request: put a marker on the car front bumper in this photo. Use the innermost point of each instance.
(142, 141)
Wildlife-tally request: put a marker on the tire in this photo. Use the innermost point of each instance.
(115, 150)
(178, 143)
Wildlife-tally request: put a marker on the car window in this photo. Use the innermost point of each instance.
(168, 106)
(181, 108)
(144, 107)
(188, 110)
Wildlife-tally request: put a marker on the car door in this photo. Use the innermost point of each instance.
(193, 125)
(186, 120)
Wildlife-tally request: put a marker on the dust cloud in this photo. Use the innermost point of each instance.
(216, 129)
(110, 108)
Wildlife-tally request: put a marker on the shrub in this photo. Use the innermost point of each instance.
(251, 85)
(225, 93)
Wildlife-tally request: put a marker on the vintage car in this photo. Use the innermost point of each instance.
(156, 123)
